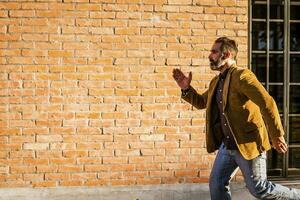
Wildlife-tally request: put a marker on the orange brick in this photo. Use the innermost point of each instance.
(62, 38)
(93, 131)
(215, 10)
(122, 182)
(33, 6)
(154, 107)
(102, 152)
(166, 159)
(177, 137)
(178, 122)
(64, 161)
(88, 7)
(34, 161)
(22, 13)
(33, 177)
(167, 145)
(44, 184)
(57, 53)
(154, 122)
(153, 92)
(152, 167)
(21, 139)
(115, 160)
(227, 2)
(46, 168)
(62, 68)
(136, 174)
(71, 183)
(33, 131)
(116, 145)
(49, 13)
(156, 137)
(36, 146)
(89, 160)
(153, 152)
(10, 6)
(114, 115)
(3, 139)
(22, 169)
(76, 123)
(178, 151)
(141, 130)
(197, 180)
(57, 176)
(96, 168)
(34, 21)
(127, 152)
(49, 154)
(128, 123)
(63, 130)
(235, 25)
(49, 138)
(140, 159)
(74, 76)
(102, 123)
(48, 123)
(123, 167)
(90, 146)
(74, 154)
(84, 176)
(127, 31)
(154, 2)
(148, 181)
(20, 60)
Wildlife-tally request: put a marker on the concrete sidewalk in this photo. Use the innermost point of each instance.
(148, 192)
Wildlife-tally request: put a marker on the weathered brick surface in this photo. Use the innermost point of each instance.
(86, 92)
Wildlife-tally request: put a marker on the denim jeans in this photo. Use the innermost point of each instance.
(254, 171)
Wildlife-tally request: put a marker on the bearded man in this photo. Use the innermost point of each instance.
(242, 120)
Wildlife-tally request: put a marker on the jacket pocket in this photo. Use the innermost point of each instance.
(252, 127)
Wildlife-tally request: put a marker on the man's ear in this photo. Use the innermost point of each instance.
(222, 56)
(225, 55)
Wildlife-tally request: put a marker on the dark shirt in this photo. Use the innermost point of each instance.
(228, 139)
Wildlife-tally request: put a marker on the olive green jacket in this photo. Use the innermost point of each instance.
(251, 112)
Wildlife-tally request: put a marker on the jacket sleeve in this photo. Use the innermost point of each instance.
(255, 91)
(196, 99)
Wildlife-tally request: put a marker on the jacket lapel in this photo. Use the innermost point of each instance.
(211, 90)
(226, 86)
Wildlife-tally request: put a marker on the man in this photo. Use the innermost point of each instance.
(239, 111)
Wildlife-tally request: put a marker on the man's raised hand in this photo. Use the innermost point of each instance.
(182, 80)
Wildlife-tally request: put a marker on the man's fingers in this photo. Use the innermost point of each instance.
(282, 150)
(281, 147)
(284, 147)
(178, 75)
(279, 144)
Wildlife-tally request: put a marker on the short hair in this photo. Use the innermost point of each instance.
(228, 45)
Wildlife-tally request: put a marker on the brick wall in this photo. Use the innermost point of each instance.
(86, 92)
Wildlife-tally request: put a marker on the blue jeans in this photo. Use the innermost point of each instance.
(226, 165)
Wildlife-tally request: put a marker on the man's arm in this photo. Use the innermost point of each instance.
(194, 98)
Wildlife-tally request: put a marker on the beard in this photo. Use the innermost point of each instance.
(216, 64)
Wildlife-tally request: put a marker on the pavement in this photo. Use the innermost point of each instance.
(146, 192)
